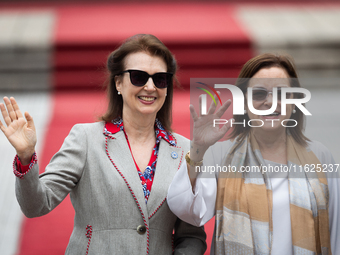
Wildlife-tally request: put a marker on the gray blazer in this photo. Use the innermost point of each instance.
(111, 216)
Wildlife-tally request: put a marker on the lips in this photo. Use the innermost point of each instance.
(274, 114)
(147, 98)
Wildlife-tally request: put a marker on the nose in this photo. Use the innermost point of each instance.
(149, 85)
(269, 99)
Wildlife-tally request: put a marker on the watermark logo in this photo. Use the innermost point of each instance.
(251, 97)
(209, 93)
(238, 100)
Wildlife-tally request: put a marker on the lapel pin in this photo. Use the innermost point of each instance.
(174, 155)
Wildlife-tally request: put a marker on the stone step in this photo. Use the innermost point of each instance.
(26, 30)
(311, 35)
(25, 80)
(25, 49)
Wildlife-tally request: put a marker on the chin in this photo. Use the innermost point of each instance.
(147, 112)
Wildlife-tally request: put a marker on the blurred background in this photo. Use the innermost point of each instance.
(53, 55)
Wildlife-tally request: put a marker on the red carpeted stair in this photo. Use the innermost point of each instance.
(205, 38)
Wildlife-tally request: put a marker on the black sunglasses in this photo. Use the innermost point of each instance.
(261, 94)
(140, 78)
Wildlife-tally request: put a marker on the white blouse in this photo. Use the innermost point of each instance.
(198, 207)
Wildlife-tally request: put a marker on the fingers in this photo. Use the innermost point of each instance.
(193, 113)
(4, 113)
(223, 108)
(213, 104)
(30, 122)
(10, 109)
(224, 129)
(12, 112)
(212, 108)
(200, 105)
(2, 127)
(16, 107)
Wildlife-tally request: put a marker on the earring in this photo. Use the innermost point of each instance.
(245, 111)
(166, 94)
(294, 111)
(118, 92)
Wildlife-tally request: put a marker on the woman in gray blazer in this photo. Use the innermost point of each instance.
(117, 190)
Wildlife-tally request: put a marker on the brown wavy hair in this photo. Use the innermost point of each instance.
(249, 69)
(116, 65)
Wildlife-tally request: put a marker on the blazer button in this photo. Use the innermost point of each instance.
(141, 229)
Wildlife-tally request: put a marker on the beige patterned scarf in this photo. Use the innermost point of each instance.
(244, 204)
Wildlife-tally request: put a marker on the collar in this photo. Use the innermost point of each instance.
(116, 125)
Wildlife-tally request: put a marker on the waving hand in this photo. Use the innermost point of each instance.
(19, 131)
(204, 132)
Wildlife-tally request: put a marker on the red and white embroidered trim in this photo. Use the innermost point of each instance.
(89, 236)
(18, 173)
(152, 214)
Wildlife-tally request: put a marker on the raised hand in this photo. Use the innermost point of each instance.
(20, 132)
(204, 132)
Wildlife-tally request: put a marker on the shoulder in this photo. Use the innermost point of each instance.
(326, 159)
(320, 151)
(88, 127)
(87, 131)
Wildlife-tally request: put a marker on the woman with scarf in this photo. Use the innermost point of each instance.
(117, 170)
(260, 211)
